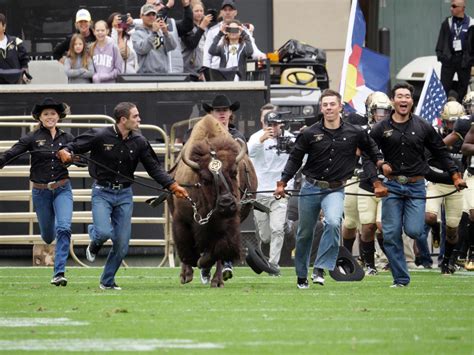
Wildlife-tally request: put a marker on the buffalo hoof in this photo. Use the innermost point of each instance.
(186, 274)
(217, 283)
(205, 261)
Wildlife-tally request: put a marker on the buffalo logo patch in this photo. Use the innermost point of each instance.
(108, 147)
(41, 142)
(388, 133)
(318, 137)
(215, 166)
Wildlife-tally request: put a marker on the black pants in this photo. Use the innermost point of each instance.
(447, 74)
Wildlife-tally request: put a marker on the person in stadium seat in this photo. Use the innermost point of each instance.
(83, 25)
(228, 12)
(13, 57)
(152, 42)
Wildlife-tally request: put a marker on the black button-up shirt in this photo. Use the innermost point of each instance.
(403, 146)
(108, 147)
(45, 166)
(331, 152)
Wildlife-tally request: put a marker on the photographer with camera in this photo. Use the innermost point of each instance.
(235, 48)
(228, 13)
(193, 41)
(264, 152)
(152, 42)
(119, 25)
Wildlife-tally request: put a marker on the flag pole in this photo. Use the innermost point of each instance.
(423, 92)
(348, 49)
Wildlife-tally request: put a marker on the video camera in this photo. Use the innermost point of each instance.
(285, 143)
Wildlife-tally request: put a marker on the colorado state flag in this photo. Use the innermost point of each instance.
(363, 71)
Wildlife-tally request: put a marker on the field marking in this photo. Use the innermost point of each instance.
(37, 322)
(104, 345)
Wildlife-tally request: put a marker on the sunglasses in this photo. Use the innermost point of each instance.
(455, 6)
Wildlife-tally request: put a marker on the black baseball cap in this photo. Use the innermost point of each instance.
(230, 3)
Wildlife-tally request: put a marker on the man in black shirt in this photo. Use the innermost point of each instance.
(455, 47)
(331, 146)
(402, 139)
(119, 148)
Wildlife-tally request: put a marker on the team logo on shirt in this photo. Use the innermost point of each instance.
(388, 133)
(108, 147)
(318, 137)
(41, 142)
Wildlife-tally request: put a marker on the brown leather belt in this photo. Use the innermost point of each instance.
(50, 185)
(325, 184)
(401, 179)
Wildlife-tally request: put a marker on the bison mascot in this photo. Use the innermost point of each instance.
(217, 172)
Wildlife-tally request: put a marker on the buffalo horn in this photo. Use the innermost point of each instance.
(192, 164)
(243, 150)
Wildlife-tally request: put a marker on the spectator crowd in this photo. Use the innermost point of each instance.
(102, 49)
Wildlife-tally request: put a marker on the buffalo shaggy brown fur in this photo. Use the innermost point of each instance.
(219, 239)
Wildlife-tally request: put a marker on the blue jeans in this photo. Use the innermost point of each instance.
(112, 215)
(332, 205)
(54, 211)
(398, 213)
(423, 248)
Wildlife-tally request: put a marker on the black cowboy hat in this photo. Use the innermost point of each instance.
(48, 102)
(259, 263)
(347, 268)
(221, 101)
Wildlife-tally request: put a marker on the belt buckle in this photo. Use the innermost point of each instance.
(323, 184)
(402, 179)
(50, 184)
(116, 186)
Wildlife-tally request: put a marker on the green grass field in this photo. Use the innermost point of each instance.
(254, 314)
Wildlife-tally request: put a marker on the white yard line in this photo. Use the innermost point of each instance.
(37, 322)
(104, 345)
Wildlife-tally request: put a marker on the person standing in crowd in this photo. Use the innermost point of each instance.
(108, 62)
(183, 25)
(228, 13)
(52, 193)
(13, 55)
(468, 150)
(120, 148)
(402, 139)
(84, 27)
(269, 163)
(331, 146)
(152, 42)
(235, 48)
(78, 64)
(193, 41)
(455, 49)
(120, 36)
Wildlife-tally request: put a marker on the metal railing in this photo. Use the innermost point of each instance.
(80, 195)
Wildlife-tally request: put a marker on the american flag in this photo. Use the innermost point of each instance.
(432, 99)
